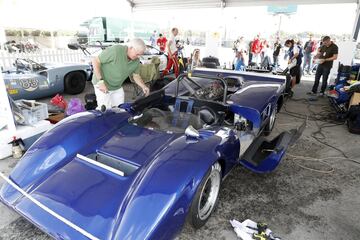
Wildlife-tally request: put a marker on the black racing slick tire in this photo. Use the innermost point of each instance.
(206, 197)
(74, 82)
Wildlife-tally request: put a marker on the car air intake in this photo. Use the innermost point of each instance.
(111, 164)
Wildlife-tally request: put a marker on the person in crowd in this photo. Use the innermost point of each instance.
(112, 67)
(161, 42)
(240, 61)
(276, 53)
(256, 50)
(172, 54)
(267, 56)
(309, 49)
(327, 53)
(153, 39)
(294, 62)
(241, 46)
(263, 44)
(299, 43)
(300, 73)
(195, 59)
(250, 52)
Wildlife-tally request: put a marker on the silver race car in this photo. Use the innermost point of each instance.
(32, 80)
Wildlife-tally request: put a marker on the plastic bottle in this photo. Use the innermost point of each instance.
(17, 151)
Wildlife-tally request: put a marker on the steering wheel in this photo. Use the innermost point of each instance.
(193, 92)
(22, 64)
(208, 115)
(34, 65)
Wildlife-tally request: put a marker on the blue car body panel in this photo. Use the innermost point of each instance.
(248, 76)
(149, 202)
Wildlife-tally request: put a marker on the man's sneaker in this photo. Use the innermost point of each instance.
(290, 93)
(321, 94)
(311, 93)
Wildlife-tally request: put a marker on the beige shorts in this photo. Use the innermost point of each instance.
(110, 99)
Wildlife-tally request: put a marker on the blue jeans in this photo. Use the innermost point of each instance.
(324, 72)
(307, 62)
(276, 61)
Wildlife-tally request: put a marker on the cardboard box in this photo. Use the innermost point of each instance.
(355, 99)
(56, 117)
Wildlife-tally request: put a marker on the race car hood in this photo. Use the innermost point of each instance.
(87, 195)
(97, 199)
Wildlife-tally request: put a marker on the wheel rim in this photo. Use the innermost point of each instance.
(209, 193)
(272, 118)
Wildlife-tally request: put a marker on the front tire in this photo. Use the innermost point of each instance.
(270, 125)
(206, 197)
(74, 82)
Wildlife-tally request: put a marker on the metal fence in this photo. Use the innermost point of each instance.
(45, 55)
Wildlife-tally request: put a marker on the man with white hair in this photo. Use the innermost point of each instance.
(112, 67)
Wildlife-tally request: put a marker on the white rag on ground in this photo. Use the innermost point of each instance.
(246, 229)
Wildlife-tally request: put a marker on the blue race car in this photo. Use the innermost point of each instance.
(32, 80)
(141, 170)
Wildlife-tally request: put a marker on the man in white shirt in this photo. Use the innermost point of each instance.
(172, 54)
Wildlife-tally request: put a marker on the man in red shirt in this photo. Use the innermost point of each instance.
(161, 42)
(256, 50)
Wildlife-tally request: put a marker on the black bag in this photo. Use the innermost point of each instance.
(90, 101)
(160, 83)
(209, 64)
(353, 121)
(211, 59)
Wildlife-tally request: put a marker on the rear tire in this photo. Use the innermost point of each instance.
(206, 197)
(74, 82)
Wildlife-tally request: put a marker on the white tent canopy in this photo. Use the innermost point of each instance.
(68, 14)
(146, 5)
(143, 5)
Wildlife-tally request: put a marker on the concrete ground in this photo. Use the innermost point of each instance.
(303, 199)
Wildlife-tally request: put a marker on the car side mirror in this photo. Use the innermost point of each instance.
(190, 131)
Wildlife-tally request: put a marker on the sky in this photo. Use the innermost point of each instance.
(245, 21)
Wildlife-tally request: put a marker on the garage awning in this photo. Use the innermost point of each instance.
(143, 5)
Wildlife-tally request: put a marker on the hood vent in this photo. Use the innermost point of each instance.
(108, 163)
